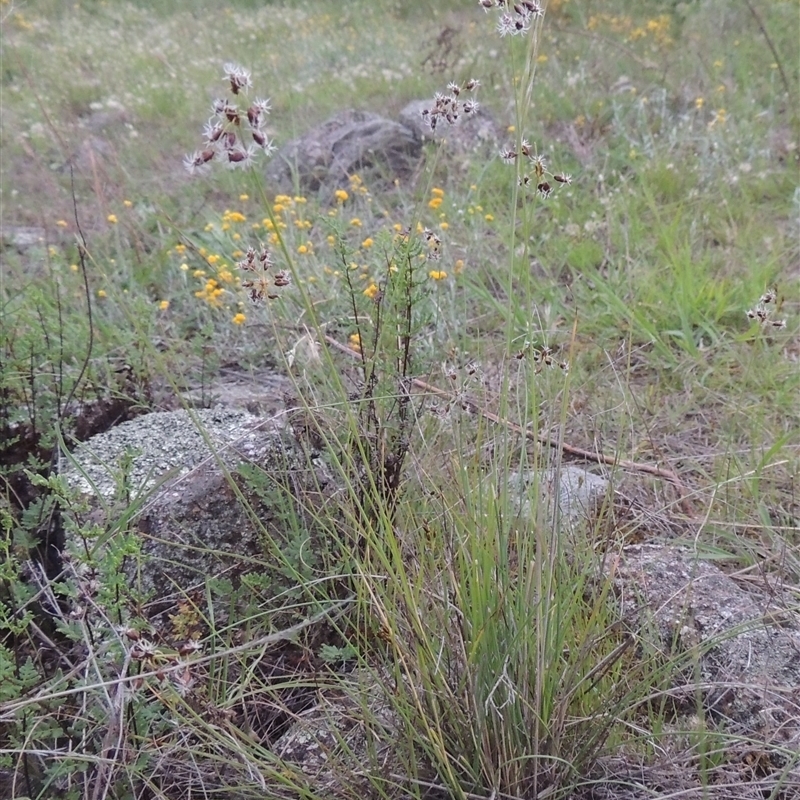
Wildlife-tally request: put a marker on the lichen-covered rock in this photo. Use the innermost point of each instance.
(747, 647)
(212, 493)
(579, 493)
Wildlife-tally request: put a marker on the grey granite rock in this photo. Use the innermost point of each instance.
(198, 516)
(352, 142)
(746, 644)
(580, 492)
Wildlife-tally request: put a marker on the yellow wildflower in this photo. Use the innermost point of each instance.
(355, 222)
(62, 223)
(112, 218)
(437, 274)
(371, 290)
(720, 117)
(239, 319)
(164, 305)
(341, 195)
(367, 243)
(434, 202)
(102, 293)
(437, 192)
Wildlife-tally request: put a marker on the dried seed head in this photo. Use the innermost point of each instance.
(532, 8)
(238, 77)
(257, 113)
(508, 155)
(189, 647)
(282, 278)
(563, 178)
(212, 131)
(248, 262)
(265, 258)
(241, 158)
(264, 142)
(198, 161)
(544, 189)
(539, 166)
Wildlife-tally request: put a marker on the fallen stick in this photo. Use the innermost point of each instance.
(543, 438)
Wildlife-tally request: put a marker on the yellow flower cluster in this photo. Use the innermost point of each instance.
(657, 28)
(357, 185)
(211, 292)
(230, 217)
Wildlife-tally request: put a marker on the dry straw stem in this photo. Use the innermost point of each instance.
(558, 444)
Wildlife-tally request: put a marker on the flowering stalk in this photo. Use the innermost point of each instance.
(226, 132)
